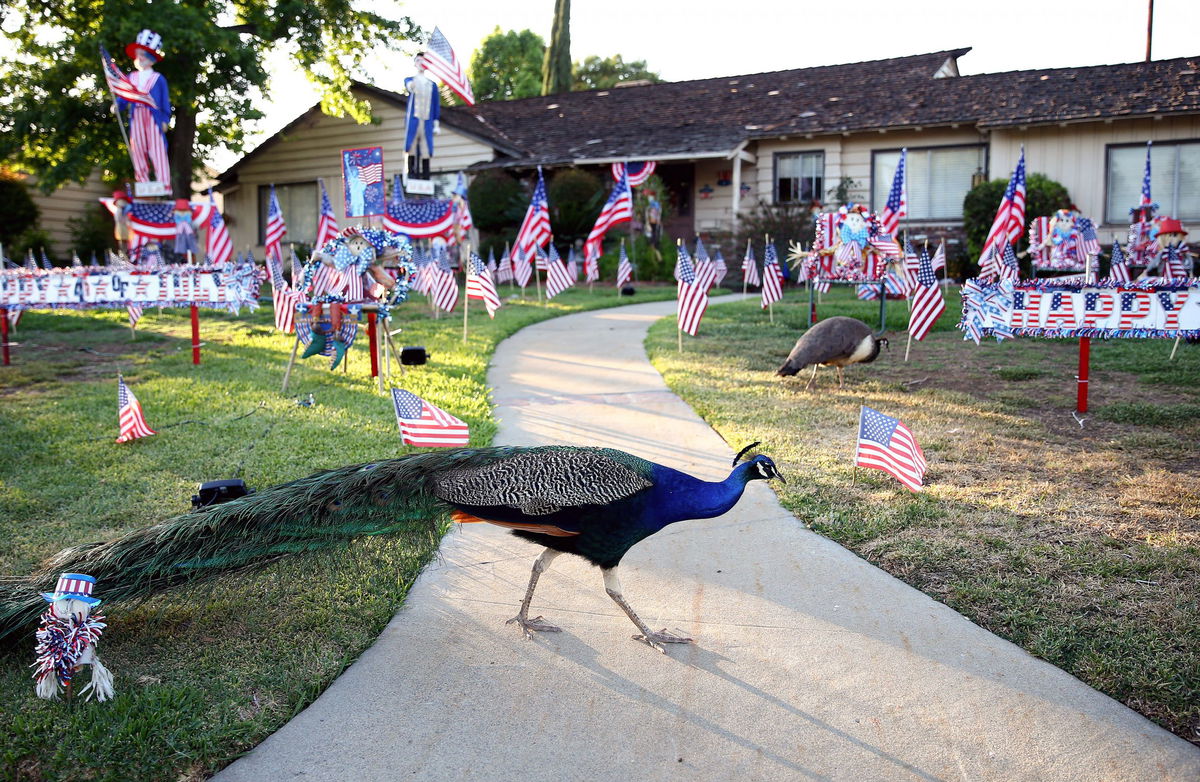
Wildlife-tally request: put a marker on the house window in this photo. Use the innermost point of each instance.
(299, 203)
(1174, 180)
(799, 177)
(937, 179)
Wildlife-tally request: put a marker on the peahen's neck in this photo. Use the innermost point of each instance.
(679, 496)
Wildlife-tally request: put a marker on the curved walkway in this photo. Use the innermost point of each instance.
(809, 662)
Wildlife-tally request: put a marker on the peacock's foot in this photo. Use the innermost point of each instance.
(657, 640)
(536, 625)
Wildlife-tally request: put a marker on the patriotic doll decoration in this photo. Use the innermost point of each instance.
(1062, 242)
(67, 638)
(185, 229)
(336, 275)
(1174, 259)
(120, 213)
(851, 245)
(421, 118)
(150, 114)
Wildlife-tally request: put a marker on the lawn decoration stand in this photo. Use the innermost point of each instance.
(229, 288)
(850, 247)
(347, 277)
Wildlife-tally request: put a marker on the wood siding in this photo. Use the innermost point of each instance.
(63, 205)
(312, 150)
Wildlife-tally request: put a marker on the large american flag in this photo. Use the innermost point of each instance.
(750, 266)
(480, 286)
(886, 444)
(624, 267)
(535, 230)
(927, 301)
(276, 228)
(897, 201)
(421, 219)
(426, 425)
(558, 279)
(442, 63)
(772, 285)
(1009, 223)
(635, 173)
(617, 209)
(692, 292)
(327, 224)
(1119, 269)
(132, 422)
(218, 247)
(120, 84)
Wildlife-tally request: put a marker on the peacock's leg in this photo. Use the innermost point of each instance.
(841, 378)
(612, 585)
(812, 377)
(537, 623)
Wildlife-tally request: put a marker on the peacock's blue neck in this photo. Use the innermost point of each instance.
(678, 496)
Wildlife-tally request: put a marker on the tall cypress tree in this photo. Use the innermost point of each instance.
(556, 69)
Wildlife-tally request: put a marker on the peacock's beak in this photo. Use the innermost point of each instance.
(780, 477)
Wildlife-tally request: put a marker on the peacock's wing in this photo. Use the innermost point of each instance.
(542, 481)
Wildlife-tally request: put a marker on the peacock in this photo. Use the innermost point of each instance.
(596, 503)
(834, 342)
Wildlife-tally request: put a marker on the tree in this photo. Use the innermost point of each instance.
(596, 73)
(556, 69)
(55, 116)
(507, 65)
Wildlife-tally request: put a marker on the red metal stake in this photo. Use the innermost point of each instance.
(1085, 348)
(373, 332)
(195, 335)
(4, 333)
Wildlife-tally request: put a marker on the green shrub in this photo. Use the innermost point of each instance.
(91, 232)
(1043, 196)
(576, 197)
(20, 213)
(496, 201)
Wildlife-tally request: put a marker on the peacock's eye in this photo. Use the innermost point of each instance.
(333, 505)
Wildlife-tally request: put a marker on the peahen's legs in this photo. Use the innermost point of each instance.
(812, 377)
(841, 378)
(612, 585)
(537, 623)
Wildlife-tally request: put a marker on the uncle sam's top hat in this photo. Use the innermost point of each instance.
(73, 586)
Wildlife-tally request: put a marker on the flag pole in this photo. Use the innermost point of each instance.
(770, 305)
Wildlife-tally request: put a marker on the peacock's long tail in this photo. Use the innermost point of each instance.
(326, 510)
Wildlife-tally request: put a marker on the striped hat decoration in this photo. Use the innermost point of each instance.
(147, 41)
(73, 586)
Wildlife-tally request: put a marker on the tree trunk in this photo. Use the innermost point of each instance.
(183, 150)
(556, 69)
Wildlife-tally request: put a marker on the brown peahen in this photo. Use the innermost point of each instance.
(593, 502)
(833, 342)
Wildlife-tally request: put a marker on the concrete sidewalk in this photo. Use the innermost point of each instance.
(808, 662)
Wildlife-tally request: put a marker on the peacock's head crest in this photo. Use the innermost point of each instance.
(761, 466)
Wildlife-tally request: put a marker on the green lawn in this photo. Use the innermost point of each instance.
(1081, 545)
(204, 675)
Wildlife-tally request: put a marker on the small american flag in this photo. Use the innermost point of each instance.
(442, 63)
(692, 292)
(886, 444)
(1146, 199)
(1119, 269)
(504, 269)
(912, 265)
(218, 247)
(624, 267)
(750, 266)
(939, 258)
(1010, 269)
(120, 84)
(535, 230)
(572, 264)
(370, 174)
(618, 209)
(480, 286)
(327, 224)
(444, 288)
(927, 301)
(772, 285)
(1009, 223)
(558, 279)
(426, 425)
(522, 270)
(276, 228)
(132, 422)
(1089, 243)
(897, 201)
(720, 267)
(135, 313)
(283, 298)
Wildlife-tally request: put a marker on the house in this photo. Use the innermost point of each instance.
(725, 144)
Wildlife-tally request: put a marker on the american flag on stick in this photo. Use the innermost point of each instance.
(692, 292)
(327, 224)
(135, 313)
(535, 230)
(522, 269)
(132, 422)
(1119, 269)
(1009, 223)
(558, 279)
(218, 247)
(480, 286)
(441, 61)
(927, 301)
(504, 269)
(624, 267)
(443, 286)
(772, 282)
(618, 209)
(276, 228)
(120, 84)
(886, 444)
(750, 267)
(426, 425)
(897, 201)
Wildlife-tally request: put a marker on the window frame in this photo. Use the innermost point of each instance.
(987, 155)
(1175, 142)
(262, 213)
(775, 173)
